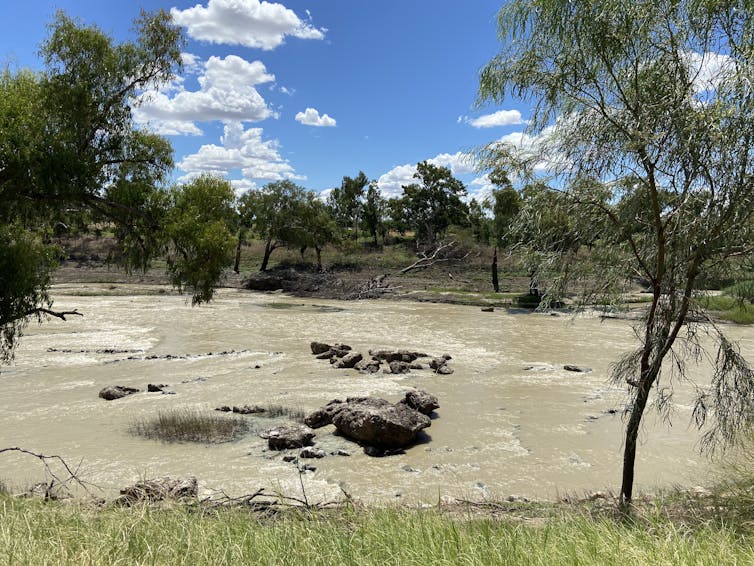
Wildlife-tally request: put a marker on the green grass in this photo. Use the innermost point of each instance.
(33, 532)
(728, 308)
(186, 425)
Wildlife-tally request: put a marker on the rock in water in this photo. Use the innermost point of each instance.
(377, 422)
(422, 401)
(284, 437)
(112, 392)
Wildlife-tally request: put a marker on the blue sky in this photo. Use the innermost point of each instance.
(310, 91)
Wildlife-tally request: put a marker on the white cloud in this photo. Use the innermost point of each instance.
(391, 183)
(499, 118)
(250, 23)
(227, 92)
(311, 117)
(708, 70)
(241, 149)
(459, 163)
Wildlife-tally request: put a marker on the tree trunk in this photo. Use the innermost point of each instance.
(268, 247)
(319, 258)
(632, 434)
(237, 262)
(495, 283)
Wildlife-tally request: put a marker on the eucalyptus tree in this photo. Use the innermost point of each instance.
(651, 102)
(374, 212)
(346, 204)
(68, 147)
(433, 202)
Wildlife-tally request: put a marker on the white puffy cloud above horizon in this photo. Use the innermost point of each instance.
(250, 23)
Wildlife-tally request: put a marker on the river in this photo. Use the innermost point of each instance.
(501, 429)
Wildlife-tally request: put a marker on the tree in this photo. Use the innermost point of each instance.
(345, 203)
(246, 216)
(280, 208)
(319, 229)
(434, 202)
(373, 212)
(198, 226)
(69, 150)
(645, 116)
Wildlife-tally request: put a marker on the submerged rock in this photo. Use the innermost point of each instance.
(112, 392)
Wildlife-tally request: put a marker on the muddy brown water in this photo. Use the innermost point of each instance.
(501, 429)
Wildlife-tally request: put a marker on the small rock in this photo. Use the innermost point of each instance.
(307, 468)
(408, 468)
(578, 369)
(284, 437)
(319, 347)
(312, 453)
(444, 370)
(249, 409)
(156, 387)
(223, 408)
(421, 401)
(488, 309)
(340, 453)
(348, 361)
(113, 392)
(289, 458)
(399, 367)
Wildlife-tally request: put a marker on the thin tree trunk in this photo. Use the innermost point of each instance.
(237, 262)
(632, 434)
(319, 257)
(495, 283)
(267, 252)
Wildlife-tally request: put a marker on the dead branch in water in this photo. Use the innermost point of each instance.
(59, 314)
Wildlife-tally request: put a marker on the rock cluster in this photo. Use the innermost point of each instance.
(342, 356)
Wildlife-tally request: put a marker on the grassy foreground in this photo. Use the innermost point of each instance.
(35, 532)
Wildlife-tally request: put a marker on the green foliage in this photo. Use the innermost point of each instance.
(26, 264)
(71, 155)
(374, 213)
(433, 203)
(198, 226)
(345, 203)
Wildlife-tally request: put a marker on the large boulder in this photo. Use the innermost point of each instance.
(421, 401)
(112, 392)
(284, 437)
(377, 422)
(319, 347)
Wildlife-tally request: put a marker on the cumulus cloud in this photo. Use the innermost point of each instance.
(250, 23)
(226, 92)
(708, 70)
(499, 118)
(242, 149)
(391, 183)
(311, 117)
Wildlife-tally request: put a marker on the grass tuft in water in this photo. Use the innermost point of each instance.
(274, 411)
(188, 425)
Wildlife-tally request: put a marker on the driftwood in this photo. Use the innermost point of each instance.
(57, 481)
(433, 256)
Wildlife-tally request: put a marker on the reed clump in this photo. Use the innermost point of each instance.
(189, 425)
